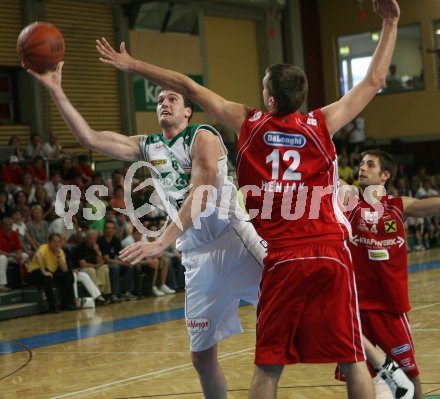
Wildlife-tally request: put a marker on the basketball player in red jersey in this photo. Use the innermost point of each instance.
(380, 261)
(287, 169)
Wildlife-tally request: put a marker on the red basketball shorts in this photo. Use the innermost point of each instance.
(308, 309)
(392, 333)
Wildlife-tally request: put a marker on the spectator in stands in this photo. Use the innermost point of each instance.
(401, 173)
(148, 266)
(21, 203)
(12, 172)
(52, 149)
(89, 258)
(97, 180)
(177, 270)
(77, 180)
(356, 132)
(11, 251)
(117, 200)
(37, 169)
(5, 209)
(53, 185)
(34, 148)
(47, 206)
(345, 171)
(117, 179)
(393, 83)
(48, 266)
(418, 178)
(163, 267)
(110, 247)
(426, 190)
(38, 228)
(89, 285)
(98, 224)
(27, 186)
(28, 244)
(355, 159)
(403, 189)
(66, 170)
(83, 167)
(15, 141)
(123, 227)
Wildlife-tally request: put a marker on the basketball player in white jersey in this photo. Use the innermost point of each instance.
(221, 252)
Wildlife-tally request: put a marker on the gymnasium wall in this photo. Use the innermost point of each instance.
(175, 51)
(228, 53)
(411, 114)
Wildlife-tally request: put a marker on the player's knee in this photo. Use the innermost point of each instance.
(204, 361)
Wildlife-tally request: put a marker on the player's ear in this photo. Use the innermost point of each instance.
(386, 174)
(188, 112)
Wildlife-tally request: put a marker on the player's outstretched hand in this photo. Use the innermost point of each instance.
(109, 55)
(50, 79)
(386, 9)
(140, 250)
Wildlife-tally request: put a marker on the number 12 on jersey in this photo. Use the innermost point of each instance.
(291, 156)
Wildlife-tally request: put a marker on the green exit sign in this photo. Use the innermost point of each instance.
(145, 93)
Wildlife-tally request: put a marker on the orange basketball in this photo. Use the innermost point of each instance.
(40, 46)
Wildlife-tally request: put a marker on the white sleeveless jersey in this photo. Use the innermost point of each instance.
(171, 164)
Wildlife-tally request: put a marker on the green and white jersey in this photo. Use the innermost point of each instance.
(171, 164)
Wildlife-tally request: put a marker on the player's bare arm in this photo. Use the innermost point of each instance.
(341, 112)
(112, 144)
(229, 114)
(205, 155)
(413, 207)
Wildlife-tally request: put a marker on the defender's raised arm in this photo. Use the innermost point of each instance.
(228, 113)
(341, 112)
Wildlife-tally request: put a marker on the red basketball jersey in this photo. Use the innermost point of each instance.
(379, 255)
(287, 171)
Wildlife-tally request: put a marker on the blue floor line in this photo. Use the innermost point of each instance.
(93, 330)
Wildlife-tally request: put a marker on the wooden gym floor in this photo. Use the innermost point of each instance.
(139, 349)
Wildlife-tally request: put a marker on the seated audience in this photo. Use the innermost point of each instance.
(15, 141)
(38, 228)
(12, 172)
(38, 170)
(49, 265)
(11, 251)
(52, 148)
(53, 185)
(21, 203)
(5, 209)
(83, 167)
(34, 148)
(110, 247)
(47, 206)
(88, 257)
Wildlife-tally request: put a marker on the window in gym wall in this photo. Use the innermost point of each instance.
(406, 70)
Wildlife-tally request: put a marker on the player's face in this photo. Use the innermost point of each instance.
(370, 172)
(171, 110)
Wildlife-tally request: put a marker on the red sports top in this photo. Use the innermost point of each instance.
(287, 171)
(379, 255)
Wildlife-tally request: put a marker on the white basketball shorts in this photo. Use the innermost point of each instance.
(218, 275)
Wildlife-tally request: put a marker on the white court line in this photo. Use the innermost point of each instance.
(147, 376)
(426, 306)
